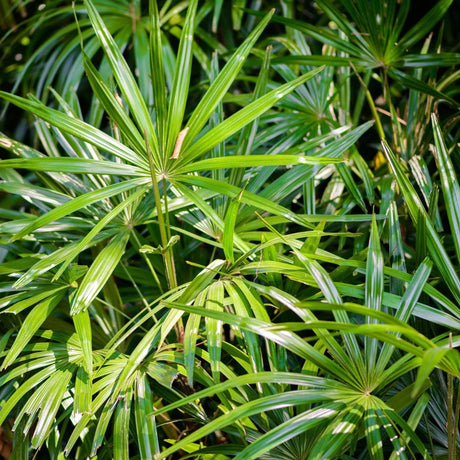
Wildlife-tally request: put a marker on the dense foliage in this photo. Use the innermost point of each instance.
(228, 231)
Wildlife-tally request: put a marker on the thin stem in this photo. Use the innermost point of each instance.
(179, 326)
(136, 287)
(165, 200)
(450, 412)
(397, 133)
(375, 114)
(147, 261)
(168, 255)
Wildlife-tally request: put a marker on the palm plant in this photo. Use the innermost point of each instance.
(203, 253)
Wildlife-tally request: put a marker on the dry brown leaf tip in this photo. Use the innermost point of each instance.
(179, 142)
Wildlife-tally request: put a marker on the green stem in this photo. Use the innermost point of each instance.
(139, 292)
(168, 255)
(147, 260)
(375, 114)
(450, 411)
(397, 133)
(165, 200)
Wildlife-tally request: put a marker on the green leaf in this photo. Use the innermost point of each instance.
(419, 85)
(427, 60)
(56, 387)
(82, 324)
(373, 436)
(414, 290)
(180, 88)
(245, 161)
(244, 116)
(425, 25)
(271, 402)
(405, 397)
(328, 386)
(416, 209)
(222, 83)
(319, 60)
(73, 165)
(211, 215)
(321, 34)
(373, 292)
(78, 203)
(83, 391)
(98, 274)
(285, 338)
(45, 264)
(157, 73)
(407, 306)
(229, 229)
(146, 430)
(246, 197)
(374, 270)
(23, 389)
(395, 247)
(147, 249)
(30, 300)
(247, 136)
(215, 301)
(98, 227)
(331, 294)
(30, 326)
(338, 432)
(110, 407)
(123, 76)
(389, 426)
(190, 338)
(347, 178)
(114, 107)
(414, 419)
(121, 433)
(77, 128)
(431, 358)
(241, 296)
(450, 185)
(307, 420)
(160, 331)
(325, 283)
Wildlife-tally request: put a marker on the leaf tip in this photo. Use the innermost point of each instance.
(179, 142)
